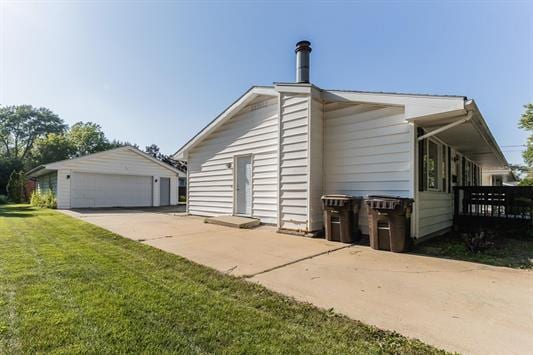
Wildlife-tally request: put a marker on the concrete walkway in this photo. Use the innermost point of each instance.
(454, 305)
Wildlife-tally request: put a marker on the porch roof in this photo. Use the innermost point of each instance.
(471, 137)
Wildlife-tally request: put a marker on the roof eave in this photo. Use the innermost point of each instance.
(248, 95)
(485, 131)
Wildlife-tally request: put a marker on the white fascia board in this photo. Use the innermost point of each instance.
(415, 106)
(293, 88)
(248, 96)
(39, 171)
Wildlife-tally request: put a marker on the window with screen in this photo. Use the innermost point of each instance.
(433, 166)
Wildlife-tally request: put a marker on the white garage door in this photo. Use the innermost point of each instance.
(100, 190)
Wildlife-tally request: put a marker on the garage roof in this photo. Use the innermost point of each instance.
(51, 167)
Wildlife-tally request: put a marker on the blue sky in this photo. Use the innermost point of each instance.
(157, 72)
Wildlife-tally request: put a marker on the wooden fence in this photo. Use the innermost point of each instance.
(483, 204)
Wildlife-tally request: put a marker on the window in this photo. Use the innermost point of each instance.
(433, 166)
(443, 168)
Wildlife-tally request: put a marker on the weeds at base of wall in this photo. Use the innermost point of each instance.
(43, 200)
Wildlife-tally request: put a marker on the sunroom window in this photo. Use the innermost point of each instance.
(435, 165)
(432, 166)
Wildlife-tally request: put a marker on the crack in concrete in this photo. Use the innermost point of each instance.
(156, 238)
(228, 271)
(296, 261)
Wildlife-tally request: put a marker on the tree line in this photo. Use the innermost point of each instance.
(525, 172)
(31, 136)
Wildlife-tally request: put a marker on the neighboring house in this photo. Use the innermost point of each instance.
(121, 177)
(498, 177)
(275, 151)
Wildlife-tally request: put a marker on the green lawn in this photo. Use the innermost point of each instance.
(511, 248)
(70, 287)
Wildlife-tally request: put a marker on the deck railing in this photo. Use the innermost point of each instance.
(494, 203)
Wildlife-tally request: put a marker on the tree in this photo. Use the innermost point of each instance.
(526, 122)
(7, 166)
(15, 187)
(115, 143)
(21, 125)
(87, 138)
(51, 148)
(154, 151)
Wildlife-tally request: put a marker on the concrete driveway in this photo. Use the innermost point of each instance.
(454, 305)
(239, 252)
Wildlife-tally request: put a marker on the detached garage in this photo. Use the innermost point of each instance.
(122, 177)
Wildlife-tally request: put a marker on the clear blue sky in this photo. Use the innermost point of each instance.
(157, 72)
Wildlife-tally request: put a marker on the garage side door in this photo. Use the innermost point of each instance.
(101, 190)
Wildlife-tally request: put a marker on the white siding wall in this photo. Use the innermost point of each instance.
(253, 131)
(63, 189)
(174, 190)
(121, 162)
(367, 151)
(435, 211)
(294, 161)
(316, 168)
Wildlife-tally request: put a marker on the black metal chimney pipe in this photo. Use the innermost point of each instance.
(303, 48)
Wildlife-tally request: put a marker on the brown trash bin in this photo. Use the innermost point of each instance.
(389, 223)
(341, 217)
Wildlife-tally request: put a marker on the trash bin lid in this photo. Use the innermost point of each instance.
(386, 202)
(337, 197)
(337, 200)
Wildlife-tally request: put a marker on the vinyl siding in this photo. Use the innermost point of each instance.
(435, 208)
(316, 169)
(254, 130)
(367, 151)
(63, 189)
(435, 211)
(113, 162)
(294, 152)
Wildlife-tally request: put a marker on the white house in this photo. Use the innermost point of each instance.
(273, 153)
(498, 177)
(121, 177)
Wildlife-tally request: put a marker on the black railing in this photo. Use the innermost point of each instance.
(494, 203)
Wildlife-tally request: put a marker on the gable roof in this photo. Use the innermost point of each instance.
(238, 104)
(436, 103)
(58, 164)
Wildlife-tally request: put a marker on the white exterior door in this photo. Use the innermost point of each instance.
(244, 185)
(100, 190)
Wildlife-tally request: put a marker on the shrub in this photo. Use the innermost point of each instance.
(3, 199)
(15, 187)
(43, 200)
(478, 241)
(183, 198)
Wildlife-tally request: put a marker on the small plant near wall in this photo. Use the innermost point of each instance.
(43, 200)
(3, 199)
(478, 241)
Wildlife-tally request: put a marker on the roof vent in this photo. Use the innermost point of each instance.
(303, 48)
